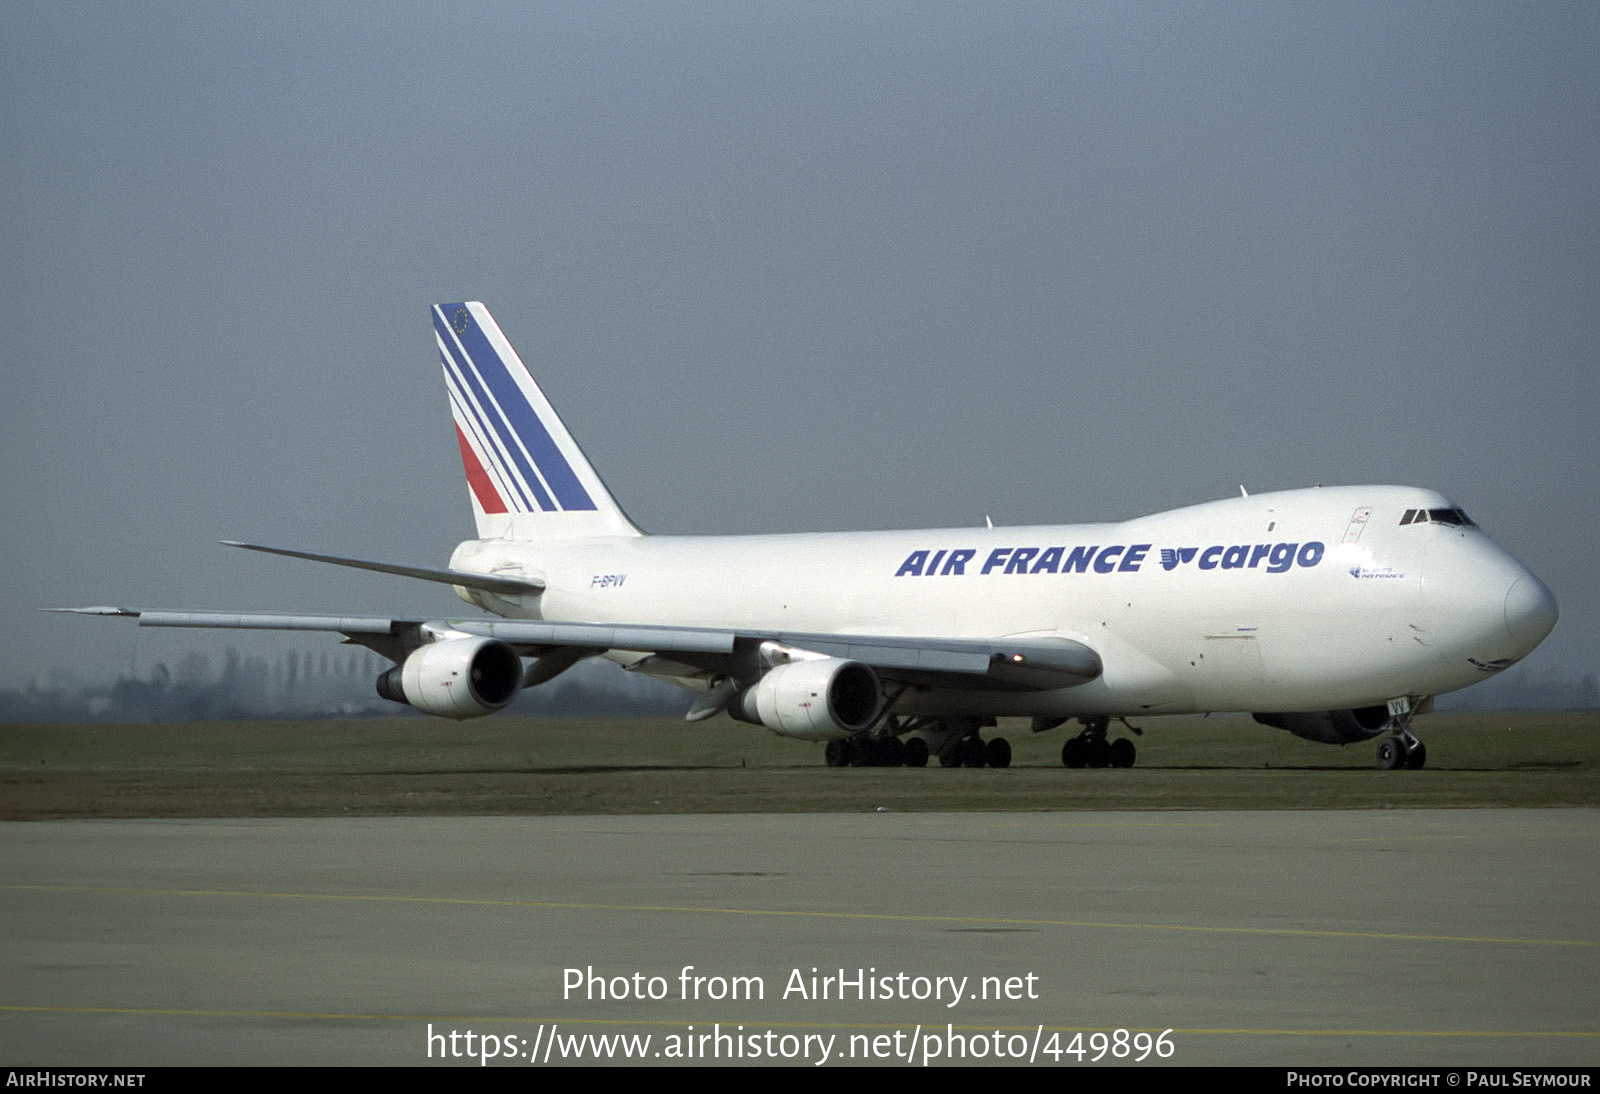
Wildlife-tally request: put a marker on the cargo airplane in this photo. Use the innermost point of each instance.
(1336, 613)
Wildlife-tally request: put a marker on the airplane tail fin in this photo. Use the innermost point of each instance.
(528, 478)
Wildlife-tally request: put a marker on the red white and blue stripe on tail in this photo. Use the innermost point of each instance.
(519, 458)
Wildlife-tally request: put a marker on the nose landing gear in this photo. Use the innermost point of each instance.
(1403, 750)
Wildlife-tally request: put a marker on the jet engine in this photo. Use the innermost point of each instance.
(1334, 727)
(456, 678)
(812, 700)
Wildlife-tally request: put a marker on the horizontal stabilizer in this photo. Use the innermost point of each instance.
(505, 586)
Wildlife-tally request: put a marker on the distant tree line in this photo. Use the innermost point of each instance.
(320, 684)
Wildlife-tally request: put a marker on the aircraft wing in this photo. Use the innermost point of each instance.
(1031, 662)
(392, 638)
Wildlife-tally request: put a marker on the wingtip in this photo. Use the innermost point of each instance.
(261, 547)
(97, 609)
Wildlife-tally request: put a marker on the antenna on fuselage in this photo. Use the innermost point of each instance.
(1243, 493)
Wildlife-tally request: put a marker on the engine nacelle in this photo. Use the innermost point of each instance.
(1333, 727)
(812, 700)
(456, 678)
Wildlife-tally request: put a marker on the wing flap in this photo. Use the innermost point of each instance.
(251, 621)
(604, 636)
(1040, 662)
(344, 624)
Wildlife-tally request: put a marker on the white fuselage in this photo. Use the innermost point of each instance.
(1302, 600)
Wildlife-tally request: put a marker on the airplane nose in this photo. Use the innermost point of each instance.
(1483, 606)
(1530, 611)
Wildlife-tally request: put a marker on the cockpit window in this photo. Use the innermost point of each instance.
(1457, 517)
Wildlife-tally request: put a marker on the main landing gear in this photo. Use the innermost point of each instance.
(1403, 750)
(958, 742)
(910, 742)
(1091, 749)
(974, 751)
(864, 751)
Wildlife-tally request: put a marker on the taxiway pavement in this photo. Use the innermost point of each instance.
(1341, 938)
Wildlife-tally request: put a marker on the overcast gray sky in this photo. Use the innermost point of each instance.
(781, 267)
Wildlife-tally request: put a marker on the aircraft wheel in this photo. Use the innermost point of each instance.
(952, 756)
(915, 752)
(972, 752)
(1391, 755)
(891, 752)
(1416, 756)
(1075, 752)
(1122, 752)
(998, 752)
(833, 754)
(1099, 753)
